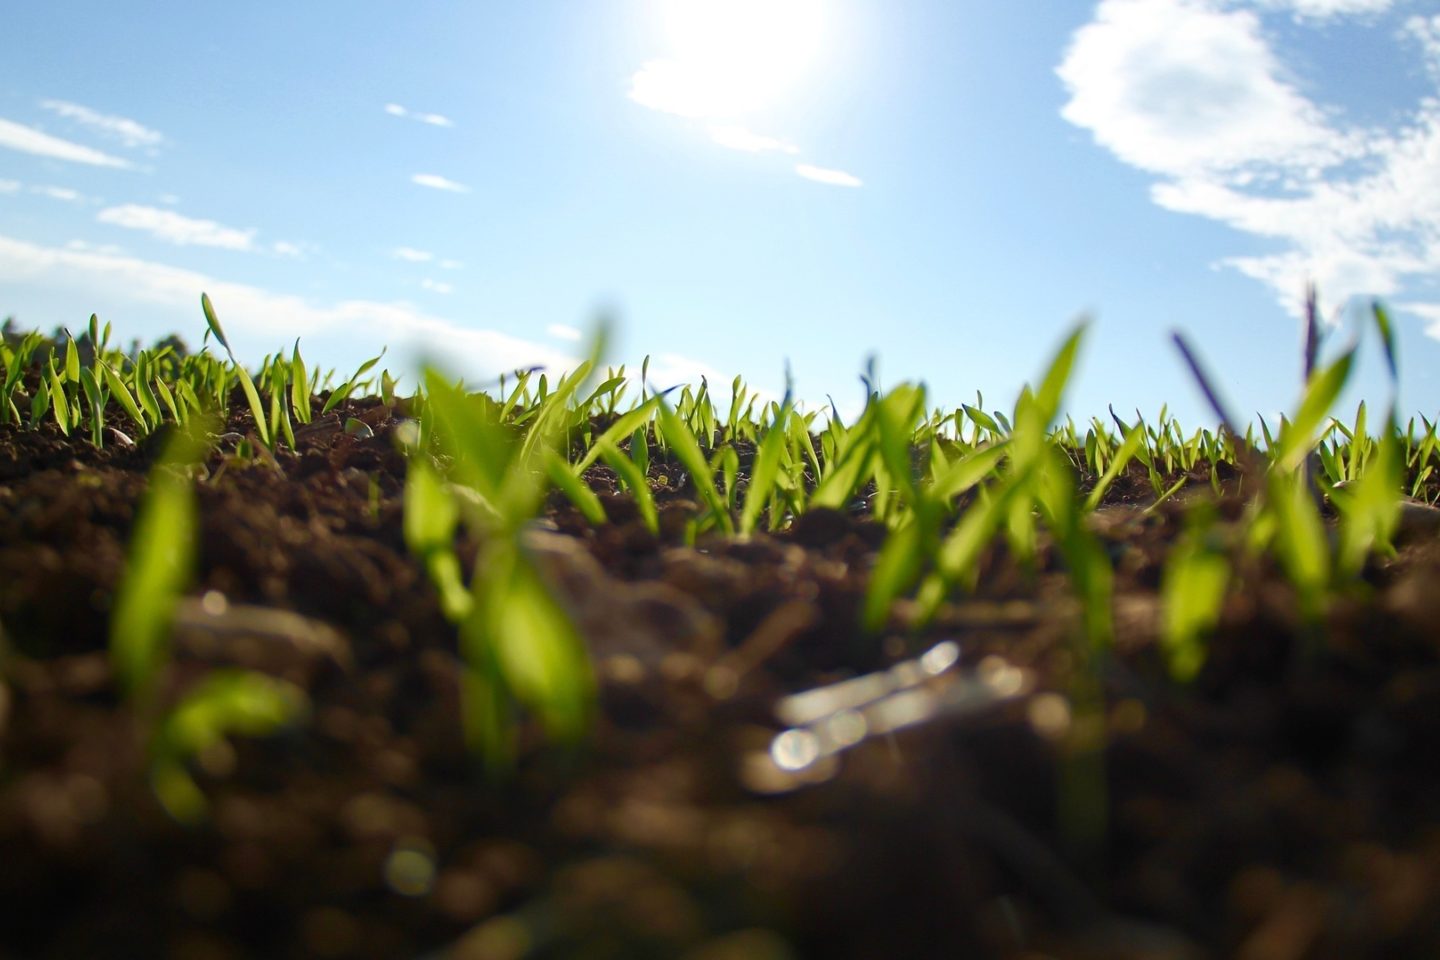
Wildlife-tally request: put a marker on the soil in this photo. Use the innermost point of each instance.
(1284, 805)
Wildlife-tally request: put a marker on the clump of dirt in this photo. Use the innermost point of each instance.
(1285, 805)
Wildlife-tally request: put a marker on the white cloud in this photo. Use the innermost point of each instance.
(451, 264)
(739, 138)
(10, 186)
(1192, 92)
(173, 228)
(1427, 34)
(290, 251)
(435, 286)
(59, 193)
(437, 182)
(85, 246)
(1429, 312)
(251, 313)
(127, 131)
(169, 199)
(1182, 87)
(835, 178)
(432, 119)
(15, 136)
(562, 332)
(1325, 9)
(411, 255)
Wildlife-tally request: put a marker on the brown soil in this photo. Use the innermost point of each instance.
(1284, 806)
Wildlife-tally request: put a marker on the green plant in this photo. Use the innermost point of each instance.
(519, 645)
(158, 569)
(1192, 591)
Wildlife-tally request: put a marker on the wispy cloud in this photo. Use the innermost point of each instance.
(1429, 312)
(834, 178)
(16, 136)
(123, 129)
(85, 246)
(739, 138)
(1194, 93)
(436, 286)
(59, 193)
(411, 255)
(1426, 33)
(173, 228)
(263, 313)
(451, 264)
(1325, 9)
(432, 119)
(562, 332)
(436, 182)
(290, 251)
(10, 186)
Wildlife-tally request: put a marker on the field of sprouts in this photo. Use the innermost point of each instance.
(582, 665)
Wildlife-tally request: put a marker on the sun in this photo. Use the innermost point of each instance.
(730, 58)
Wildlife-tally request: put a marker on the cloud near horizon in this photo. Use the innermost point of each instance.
(173, 228)
(436, 182)
(1194, 93)
(260, 313)
(18, 137)
(254, 316)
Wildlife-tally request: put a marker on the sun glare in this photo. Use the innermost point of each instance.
(729, 59)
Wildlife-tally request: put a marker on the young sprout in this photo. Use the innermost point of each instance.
(519, 645)
(252, 395)
(343, 392)
(682, 440)
(157, 572)
(1192, 593)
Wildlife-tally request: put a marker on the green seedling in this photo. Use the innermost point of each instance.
(1192, 592)
(764, 473)
(431, 518)
(157, 572)
(682, 440)
(252, 395)
(519, 645)
(343, 392)
(633, 479)
(223, 704)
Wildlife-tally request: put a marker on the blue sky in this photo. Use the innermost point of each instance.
(948, 186)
